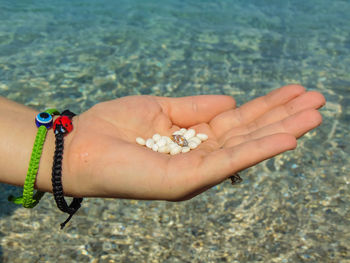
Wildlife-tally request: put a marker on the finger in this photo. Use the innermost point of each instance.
(308, 100)
(219, 165)
(296, 125)
(254, 109)
(189, 111)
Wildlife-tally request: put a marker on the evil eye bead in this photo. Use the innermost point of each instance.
(43, 118)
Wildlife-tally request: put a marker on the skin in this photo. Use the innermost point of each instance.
(102, 159)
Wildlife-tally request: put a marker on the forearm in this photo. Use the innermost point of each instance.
(17, 133)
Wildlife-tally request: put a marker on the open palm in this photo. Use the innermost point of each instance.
(102, 158)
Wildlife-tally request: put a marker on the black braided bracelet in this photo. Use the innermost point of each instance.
(62, 126)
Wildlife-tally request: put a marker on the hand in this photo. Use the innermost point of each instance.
(102, 159)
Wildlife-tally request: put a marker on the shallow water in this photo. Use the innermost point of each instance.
(293, 208)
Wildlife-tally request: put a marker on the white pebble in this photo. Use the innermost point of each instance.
(175, 150)
(202, 136)
(156, 137)
(180, 132)
(162, 142)
(192, 145)
(189, 134)
(149, 143)
(140, 141)
(155, 147)
(196, 140)
(177, 133)
(164, 149)
(168, 139)
(185, 149)
(172, 145)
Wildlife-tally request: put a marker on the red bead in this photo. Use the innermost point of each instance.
(63, 125)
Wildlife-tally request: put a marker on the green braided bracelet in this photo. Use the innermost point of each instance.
(44, 122)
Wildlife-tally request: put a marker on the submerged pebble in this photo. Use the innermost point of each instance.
(181, 141)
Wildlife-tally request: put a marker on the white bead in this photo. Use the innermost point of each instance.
(192, 145)
(202, 136)
(140, 141)
(162, 142)
(164, 149)
(149, 143)
(155, 147)
(183, 130)
(175, 150)
(196, 140)
(185, 149)
(189, 134)
(156, 137)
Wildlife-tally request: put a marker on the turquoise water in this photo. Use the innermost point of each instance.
(293, 208)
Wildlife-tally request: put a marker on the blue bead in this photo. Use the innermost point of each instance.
(43, 118)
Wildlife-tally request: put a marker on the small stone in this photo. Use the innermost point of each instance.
(155, 147)
(185, 149)
(172, 145)
(140, 141)
(168, 140)
(202, 136)
(196, 140)
(156, 137)
(182, 141)
(189, 134)
(149, 143)
(192, 145)
(162, 142)
(164, 149)
(180, 132)
(175, 150)
(177, 133)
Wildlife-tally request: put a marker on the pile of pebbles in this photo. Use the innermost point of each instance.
(181, 141)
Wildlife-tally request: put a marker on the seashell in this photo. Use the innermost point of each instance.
(189, 134)
(179, 139)
(140, 141)
(149, 143)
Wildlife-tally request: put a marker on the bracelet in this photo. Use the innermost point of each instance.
(44, 122)
(62, 126)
